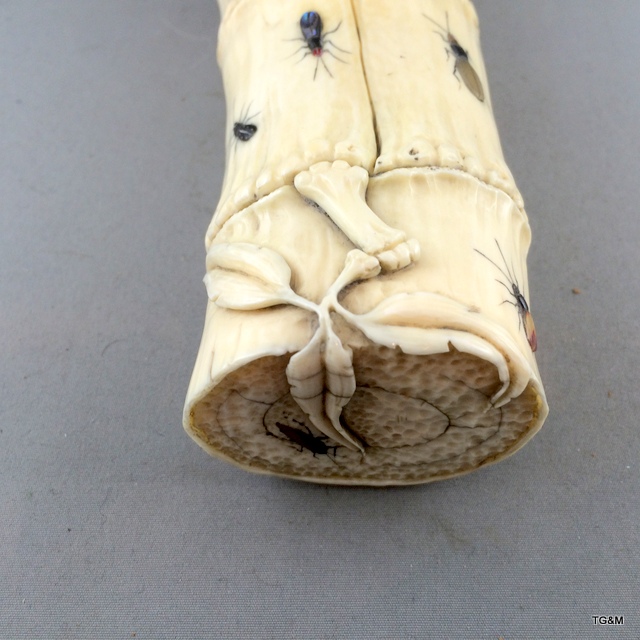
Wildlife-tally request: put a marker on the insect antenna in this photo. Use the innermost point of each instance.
(511, 273)
(497, 266)
(513, 277)
(442, 29)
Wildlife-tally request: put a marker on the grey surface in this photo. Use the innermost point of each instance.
(113, 522)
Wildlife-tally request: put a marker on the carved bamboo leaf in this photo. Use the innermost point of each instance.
(260, 262)
(428, 323)
(244, 276)
(235, 290)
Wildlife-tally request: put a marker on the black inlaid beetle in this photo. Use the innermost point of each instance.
(306, 440)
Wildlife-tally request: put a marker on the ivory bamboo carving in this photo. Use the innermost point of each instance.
(368, 318)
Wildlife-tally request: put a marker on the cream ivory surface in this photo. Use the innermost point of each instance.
(268, 81)
(425, 115)
(363, 330)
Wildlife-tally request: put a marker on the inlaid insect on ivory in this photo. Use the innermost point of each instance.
(317, 43)
(244, 129)
(519, 301)
(301, 436)
(462, 67)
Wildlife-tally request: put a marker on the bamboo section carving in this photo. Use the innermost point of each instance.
(368, 318)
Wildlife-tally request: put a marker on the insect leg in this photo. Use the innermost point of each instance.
(336, 57)
(325, 66)
(444, 39)
(518, 308)
(455, 71)
(326, 43)
(506, 287)
(303, 57)
(328, 33)
(304, 46)
(244, 116)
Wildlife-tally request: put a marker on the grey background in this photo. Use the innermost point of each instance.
(113, 522)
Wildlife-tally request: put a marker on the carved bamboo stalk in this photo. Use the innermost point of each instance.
(368, 318)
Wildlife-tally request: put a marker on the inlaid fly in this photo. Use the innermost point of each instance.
(243, 129)
(316, 43)
(519, 301)
(462, 68)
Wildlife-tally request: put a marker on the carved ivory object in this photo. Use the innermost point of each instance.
(368, 318)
